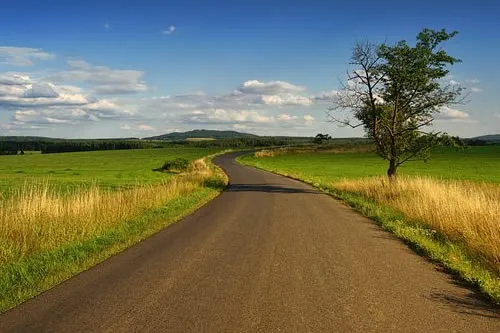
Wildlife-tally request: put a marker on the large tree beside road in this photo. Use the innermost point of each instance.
(395, 91)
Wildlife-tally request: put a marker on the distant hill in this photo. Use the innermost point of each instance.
(491, 138)
(205, 134)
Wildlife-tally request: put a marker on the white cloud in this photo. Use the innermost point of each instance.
(285, 117)
(308, 118)
(41, 90)
(454, 83)
(447, 113)
(268, 88)
(325, 96)
(104, 80)
(222, 116)
(286, 99)
(240, 127)
(22, 56)
(476, 89)
(475, 81)
(45, 103)
(145, 128)
(170, 30)
(125, 127)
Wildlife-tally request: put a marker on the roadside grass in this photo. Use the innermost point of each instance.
(451, 220)
(48, 236)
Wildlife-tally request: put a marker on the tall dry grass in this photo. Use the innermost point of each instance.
(37, 217)
(464, 211)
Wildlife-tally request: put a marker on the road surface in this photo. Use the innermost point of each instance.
(268, 255)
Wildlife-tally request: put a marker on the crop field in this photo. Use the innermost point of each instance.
(63, 213)
(447, 208)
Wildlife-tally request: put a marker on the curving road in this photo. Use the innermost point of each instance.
(268, 255)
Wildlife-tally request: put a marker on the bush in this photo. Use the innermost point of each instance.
(178, 165)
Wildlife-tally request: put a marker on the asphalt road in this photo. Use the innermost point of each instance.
(268, 255)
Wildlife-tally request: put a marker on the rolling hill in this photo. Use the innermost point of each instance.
(206, 134)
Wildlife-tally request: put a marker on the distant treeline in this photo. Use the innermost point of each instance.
(91, 145)
(18, 145)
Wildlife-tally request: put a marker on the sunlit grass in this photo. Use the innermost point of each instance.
(462, 211)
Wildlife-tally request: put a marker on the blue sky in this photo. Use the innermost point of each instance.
(139, 68)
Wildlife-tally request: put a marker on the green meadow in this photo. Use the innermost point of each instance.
(475, 164)
(107, 169)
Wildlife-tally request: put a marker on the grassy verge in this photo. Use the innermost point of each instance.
(36, 264)
(469, 250)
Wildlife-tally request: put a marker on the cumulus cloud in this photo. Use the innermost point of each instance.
(170, 30)
(268, 88)
(40, 90)
(325, 96)
(308, 118)
(286, 99)
(222, 116)
(447, 113)
(146, 128)
(22, 56)
(45, 103)
(104, 80)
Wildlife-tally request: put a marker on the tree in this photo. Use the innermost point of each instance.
(395, 92)
(322, 138)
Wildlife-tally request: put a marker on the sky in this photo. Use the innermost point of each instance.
(100, 69)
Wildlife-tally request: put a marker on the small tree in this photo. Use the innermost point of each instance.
(322, 138)
(394, 92)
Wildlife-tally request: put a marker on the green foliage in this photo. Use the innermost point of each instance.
(176, 165)
(322, 138)
(395, 93)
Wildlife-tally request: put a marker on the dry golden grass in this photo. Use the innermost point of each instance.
(37, 217)
(464, 211)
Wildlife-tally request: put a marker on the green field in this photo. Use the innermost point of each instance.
(475, 163)
(108, 169)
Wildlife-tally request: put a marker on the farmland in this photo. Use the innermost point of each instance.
(474, 164)
(107, 169)
(446, 208)
(62, 213)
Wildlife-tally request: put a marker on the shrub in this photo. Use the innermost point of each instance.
(177, 165)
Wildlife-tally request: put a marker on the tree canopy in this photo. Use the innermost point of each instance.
(395, 91)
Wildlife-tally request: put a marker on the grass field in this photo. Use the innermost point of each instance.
(54, 227)
(107, 169)
(475, 164)
(447, 208)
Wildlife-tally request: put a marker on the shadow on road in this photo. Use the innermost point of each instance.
(269, 188)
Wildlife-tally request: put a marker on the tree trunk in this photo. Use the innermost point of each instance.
(392, 171)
